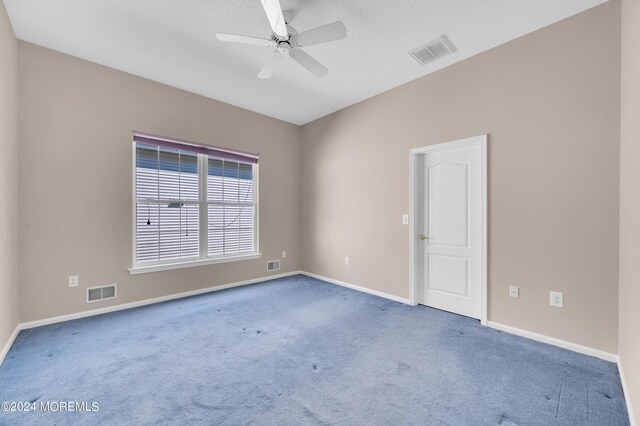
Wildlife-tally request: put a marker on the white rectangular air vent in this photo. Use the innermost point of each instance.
(273, 265)
(435, 49)
(95, 294)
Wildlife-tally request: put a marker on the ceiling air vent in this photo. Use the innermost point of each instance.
(273, 265)
(435, 49)
(95, 294)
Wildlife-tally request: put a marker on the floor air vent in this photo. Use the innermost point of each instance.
(96, 294)
(435, 49)
(273, 265)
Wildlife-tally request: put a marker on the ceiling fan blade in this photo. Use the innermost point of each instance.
(310, 64)
(270, 66)
(274, 14)
(233, 38)
(323, 34)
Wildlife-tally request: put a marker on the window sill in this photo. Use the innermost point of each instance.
(190, 263)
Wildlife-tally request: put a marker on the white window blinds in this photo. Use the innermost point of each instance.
(230, 207)
(192, 205)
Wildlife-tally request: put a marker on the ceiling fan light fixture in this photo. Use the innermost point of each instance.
(285, 48)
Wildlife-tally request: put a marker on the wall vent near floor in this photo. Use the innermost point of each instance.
(435, 49)
(95, 294)
(273, 265)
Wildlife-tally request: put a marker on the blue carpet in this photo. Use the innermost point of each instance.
(299, 351)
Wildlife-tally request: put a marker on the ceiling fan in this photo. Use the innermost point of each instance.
(288, 42)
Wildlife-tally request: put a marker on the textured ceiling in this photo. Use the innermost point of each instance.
(173, 42)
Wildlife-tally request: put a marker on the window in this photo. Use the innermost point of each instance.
(194, 204)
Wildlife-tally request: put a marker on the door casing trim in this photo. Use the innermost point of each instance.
(414, 208)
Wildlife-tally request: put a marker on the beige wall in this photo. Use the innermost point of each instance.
(8, 179)
(629, 323)
(550, 102)
(75, 177)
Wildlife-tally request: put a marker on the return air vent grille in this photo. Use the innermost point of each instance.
(95, 294)
(273, 265)
(435, 49)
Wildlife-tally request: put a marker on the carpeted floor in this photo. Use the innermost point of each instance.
(297, 351)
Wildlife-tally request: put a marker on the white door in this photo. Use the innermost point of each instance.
(451, 230)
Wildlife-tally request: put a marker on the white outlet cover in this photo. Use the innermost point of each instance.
(556, 299)
(284, 254)
(73, 281)
(514, 291)
(346, 261)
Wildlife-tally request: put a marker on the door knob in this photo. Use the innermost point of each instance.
(423, 237)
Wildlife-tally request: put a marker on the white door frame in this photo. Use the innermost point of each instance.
(414, 262)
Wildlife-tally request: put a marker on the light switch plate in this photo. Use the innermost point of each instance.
(514, 291)
(405, 219)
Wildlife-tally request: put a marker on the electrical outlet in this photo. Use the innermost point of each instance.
(346, 261)
(284, 254)
(514, 291)
(405, 219)
(73, 281)
(556, 299)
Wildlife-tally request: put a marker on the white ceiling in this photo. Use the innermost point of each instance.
(173, 42)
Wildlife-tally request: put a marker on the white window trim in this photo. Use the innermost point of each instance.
(141, 268)
(190, 263)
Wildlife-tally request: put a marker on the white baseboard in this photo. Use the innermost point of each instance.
(627, 397)
(358, 288)
(84, 314)
(7, 346)
(607, 356)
